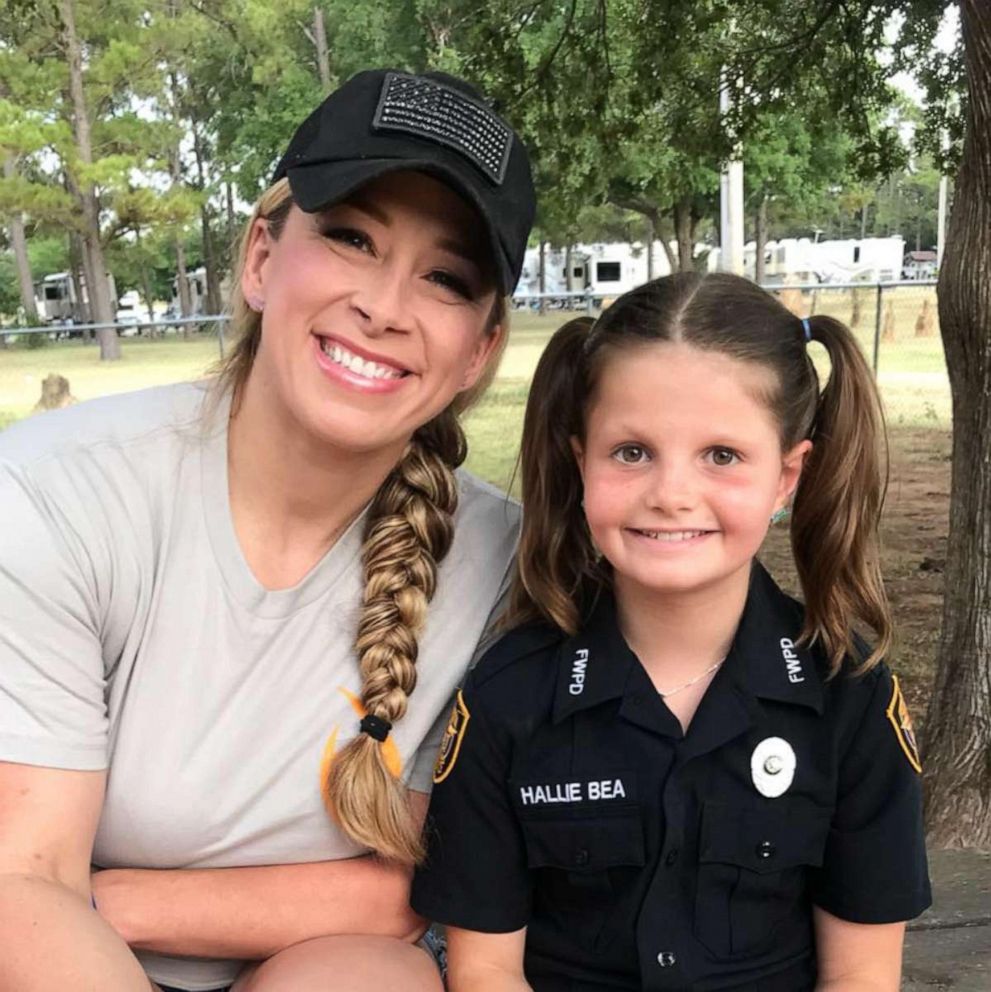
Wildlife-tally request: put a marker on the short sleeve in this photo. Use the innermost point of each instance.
(475, 875)
(52, 708)
(874, 868)
(421, 777)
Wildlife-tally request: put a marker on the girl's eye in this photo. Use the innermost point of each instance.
(723, 457)
(351, 237)
(448, 280)
(630, 454)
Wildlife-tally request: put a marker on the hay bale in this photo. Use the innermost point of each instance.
(793, 300)
(925, 323)
(55, 393)
(888, 323)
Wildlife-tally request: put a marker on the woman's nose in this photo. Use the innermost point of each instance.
(381, 303)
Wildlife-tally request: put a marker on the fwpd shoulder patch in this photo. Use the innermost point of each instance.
(457, 724)
(897, 713)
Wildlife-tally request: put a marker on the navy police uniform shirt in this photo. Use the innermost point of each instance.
(568, 800)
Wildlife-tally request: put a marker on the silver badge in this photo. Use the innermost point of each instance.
(772, 767)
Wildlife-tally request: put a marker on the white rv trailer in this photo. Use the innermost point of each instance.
(850, 260)
(56, 300)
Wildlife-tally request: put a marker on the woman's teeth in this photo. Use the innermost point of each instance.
(353, 363)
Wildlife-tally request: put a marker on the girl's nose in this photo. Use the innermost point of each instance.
(672, 487)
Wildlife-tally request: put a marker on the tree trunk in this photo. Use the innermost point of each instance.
(760, 241)
(651, 238)
(543, 276)
(567, 270)
(666, 245)
(182, 280)
(77, 272)
(213, 303)
(863, 221)
(683, 228)
(102, 308)
(320, 41)
(958, 726)
(19, 244)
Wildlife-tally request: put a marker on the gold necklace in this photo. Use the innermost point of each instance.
(665, 693)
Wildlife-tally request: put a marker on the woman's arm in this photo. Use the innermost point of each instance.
(255, 912)
(857, 957)
(485, 962)
(52, 939)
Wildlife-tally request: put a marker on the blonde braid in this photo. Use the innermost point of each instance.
(409, 531)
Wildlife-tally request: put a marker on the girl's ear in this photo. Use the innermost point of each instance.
(255, 261)
(579, 453)
(792, 463)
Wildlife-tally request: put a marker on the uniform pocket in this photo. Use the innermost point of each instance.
(752, 871)
(587, 843)
(583, 865)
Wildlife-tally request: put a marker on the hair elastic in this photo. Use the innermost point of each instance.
(807, 329)
(375, 727)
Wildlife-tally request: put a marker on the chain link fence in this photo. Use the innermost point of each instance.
(200, 326)
(897, 325)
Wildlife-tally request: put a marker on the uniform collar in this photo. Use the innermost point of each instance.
(764, 656)
(594, 665)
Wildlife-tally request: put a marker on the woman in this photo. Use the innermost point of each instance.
(216, 602)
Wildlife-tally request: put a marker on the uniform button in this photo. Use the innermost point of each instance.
(765, 849)
(581, 857)
(672, 857)
(666, 959)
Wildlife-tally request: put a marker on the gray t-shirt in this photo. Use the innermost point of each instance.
(134, 637)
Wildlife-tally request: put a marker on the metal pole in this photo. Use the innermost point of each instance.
(877, 328)
(220, 336)
(941, 222)
(730, 201)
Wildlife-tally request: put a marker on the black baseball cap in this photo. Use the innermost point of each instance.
(385, 120)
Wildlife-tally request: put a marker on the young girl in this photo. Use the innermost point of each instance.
(671, 775)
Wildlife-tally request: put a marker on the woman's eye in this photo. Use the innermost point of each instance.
(630, 454)
(723, 457)
(452, 282)
(351, 237)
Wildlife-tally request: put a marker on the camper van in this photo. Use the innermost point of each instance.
(56, 300)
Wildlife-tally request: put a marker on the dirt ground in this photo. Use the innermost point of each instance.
(914, 532)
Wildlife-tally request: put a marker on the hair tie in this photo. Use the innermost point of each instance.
(807, 329)
(375, 727)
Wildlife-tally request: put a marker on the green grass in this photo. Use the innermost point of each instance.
(912, 375)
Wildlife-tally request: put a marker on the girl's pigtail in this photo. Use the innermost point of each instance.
(837, 507)
(409, 531)
(556, 554)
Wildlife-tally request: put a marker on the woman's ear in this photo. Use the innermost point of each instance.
(484, 350)
(255, 264)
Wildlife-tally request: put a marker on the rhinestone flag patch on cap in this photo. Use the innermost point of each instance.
(428, 109)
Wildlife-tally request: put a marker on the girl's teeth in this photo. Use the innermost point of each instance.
(672, 536)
